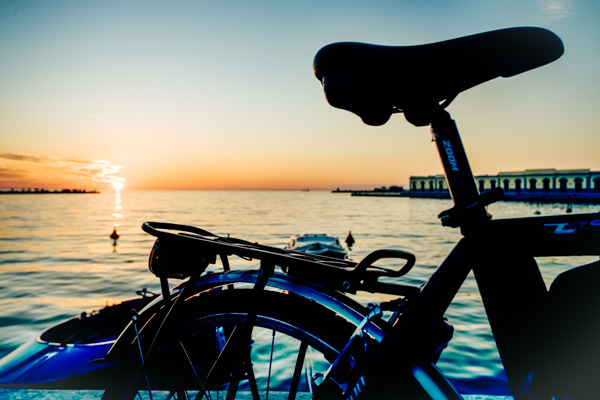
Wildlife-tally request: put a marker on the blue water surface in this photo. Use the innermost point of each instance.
(57, 260)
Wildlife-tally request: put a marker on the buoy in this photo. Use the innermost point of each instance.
(349, 239)
(114, 236)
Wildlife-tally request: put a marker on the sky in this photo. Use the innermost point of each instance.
(195, 94)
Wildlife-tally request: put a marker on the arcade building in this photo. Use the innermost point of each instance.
(573, 185)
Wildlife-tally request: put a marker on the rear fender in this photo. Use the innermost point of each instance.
(152, 316)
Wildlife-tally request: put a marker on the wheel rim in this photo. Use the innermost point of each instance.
(283, 361)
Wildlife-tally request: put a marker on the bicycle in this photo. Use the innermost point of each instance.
(213, 332)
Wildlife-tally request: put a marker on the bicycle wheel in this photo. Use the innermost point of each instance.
(241, 344)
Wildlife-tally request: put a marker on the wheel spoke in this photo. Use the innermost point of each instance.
(298, 370)
(233, 384)
(223, 348)
(270, 363)
(202, 390)
(241, 345)
(310, 371)
(252, 380)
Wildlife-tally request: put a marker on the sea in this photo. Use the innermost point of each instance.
(57, 258)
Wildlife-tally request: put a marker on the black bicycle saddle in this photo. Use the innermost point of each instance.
(375, 81)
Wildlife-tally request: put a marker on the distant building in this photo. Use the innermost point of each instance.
(432, 186)
(580, 185)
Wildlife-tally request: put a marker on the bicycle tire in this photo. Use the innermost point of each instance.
(179, 366)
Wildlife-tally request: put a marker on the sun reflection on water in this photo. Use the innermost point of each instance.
(117, 212)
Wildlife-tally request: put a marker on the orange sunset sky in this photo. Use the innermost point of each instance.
(192, 94)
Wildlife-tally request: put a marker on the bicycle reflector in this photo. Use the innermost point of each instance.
(178, 259)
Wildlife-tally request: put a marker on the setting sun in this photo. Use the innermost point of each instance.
(117, 186)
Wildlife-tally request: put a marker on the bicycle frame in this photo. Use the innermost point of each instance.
(500, 253)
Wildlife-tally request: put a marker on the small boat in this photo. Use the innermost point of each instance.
(60, 357)
(317, 244)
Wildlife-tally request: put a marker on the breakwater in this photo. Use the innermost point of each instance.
(45, 191)
(571, 197)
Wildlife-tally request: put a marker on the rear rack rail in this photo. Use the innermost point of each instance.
(182, 251)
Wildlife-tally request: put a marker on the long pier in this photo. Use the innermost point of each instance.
(555, 196)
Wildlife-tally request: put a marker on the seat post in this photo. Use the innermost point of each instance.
(459, 176)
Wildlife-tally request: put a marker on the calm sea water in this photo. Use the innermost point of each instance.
(57, 260)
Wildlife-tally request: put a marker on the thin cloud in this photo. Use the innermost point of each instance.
(21, 157)
(32, 168)
(104, 171)
(11, 173)
(556, 9)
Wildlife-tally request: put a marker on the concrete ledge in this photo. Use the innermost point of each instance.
(29, 394)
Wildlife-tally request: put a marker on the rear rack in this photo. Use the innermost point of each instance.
(182, 251)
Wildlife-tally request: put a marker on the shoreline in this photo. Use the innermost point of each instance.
(64, 191)
(527, 197)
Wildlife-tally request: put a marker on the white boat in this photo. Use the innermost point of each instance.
(317, 244)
